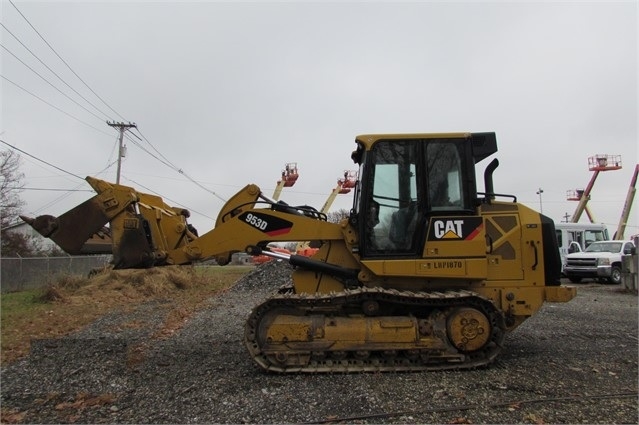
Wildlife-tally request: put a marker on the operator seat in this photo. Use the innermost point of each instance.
(402, 226)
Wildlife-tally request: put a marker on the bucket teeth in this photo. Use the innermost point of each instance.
(43, 224)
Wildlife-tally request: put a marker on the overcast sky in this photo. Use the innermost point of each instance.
(230, 92)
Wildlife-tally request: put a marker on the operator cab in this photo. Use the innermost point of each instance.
(407, 179)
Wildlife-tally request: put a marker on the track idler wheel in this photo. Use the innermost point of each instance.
(468, 329)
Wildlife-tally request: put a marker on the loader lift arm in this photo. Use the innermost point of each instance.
(150, 233)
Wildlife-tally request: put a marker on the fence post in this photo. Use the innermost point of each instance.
(629, 271)
(21, 274)
(630, 268)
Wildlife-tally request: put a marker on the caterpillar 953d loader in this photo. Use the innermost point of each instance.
(426, 273)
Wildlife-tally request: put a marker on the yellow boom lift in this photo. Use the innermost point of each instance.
(596, 164)
(344, 186)
(289, 177)
(625, 212)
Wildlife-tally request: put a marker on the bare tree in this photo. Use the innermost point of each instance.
(338, 215)
(11, 185)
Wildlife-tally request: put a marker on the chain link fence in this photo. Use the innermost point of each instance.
(18, 274)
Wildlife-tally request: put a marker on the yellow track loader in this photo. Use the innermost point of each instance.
(427, 273)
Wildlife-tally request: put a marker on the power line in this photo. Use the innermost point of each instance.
(38, 159)
(69, 192)
(158, 152)
(164, 197)
(50, 189)
(115, 144)
(56, 200)
(164, 160)
(48, 82)
(52, 71)
(174, 167)
(74, 175)
(53, 106)
(149, 153)
(63, 61)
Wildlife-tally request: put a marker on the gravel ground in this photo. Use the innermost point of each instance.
(571, 363)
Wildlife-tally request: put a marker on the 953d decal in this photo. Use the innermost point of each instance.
(270, 225)
(454, 228)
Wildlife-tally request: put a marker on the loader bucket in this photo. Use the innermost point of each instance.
(72, 229)
(142, 227)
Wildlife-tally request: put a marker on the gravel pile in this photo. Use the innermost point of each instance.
(571, 363)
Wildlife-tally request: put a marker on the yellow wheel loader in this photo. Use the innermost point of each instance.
(427, 273)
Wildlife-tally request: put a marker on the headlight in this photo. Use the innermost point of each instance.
(603, 261)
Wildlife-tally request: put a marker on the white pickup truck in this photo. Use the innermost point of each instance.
(601, 261)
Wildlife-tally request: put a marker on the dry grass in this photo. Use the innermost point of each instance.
(69, 303)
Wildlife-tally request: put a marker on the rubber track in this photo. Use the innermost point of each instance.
(440, 300)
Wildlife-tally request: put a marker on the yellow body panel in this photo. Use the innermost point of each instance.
(347, 333)
(474, 269)
(560, 294)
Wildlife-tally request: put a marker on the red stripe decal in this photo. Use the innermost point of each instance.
(279, 231)
(475, 232)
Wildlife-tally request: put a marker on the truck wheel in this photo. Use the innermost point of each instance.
(574, 279)
(615, 275)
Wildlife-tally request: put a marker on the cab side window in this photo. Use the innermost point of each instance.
(394, 207)
(444, 177)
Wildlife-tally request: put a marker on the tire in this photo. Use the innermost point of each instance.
(574, 279)
(615, 275)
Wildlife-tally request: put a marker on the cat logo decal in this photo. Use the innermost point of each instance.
(454, 228)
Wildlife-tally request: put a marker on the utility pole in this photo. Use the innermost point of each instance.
(122, 127)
